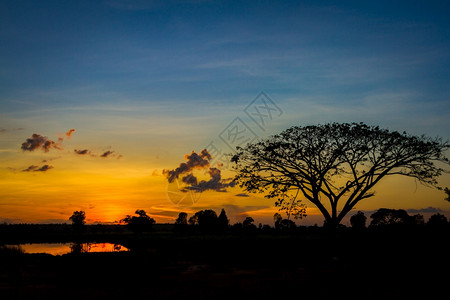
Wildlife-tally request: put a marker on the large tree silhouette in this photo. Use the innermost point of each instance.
(335, 166)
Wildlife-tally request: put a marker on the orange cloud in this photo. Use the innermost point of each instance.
(69, 133)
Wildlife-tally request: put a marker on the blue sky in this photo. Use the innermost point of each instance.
(66, 52)
(157, 79)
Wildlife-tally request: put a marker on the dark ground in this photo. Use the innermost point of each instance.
(259, 265)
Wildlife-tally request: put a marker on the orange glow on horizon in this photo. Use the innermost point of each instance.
(108, 190)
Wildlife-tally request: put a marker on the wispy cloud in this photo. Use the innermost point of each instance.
(81, 152)
(50, 159)
(34, 168)
(428, 209)
(4, 130)
(107, 154)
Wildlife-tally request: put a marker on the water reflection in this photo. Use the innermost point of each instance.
(64, 248)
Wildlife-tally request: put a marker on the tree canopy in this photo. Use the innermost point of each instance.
(222, 220)
(182, 219)
(335, 165)
(139, 223)
(78, 218)
(358, 221)
(386, 216)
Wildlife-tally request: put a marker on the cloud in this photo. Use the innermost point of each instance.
(50, 159)
(44, 168)
(216, 183)
(11, 169)
(37, 141)
(199, 161)
(194, 161)
(107, 153)
(242, 195)
(81, 152)
(34, 168)
(4, 130)
(424, 210)
(69, 133)
(190, 179)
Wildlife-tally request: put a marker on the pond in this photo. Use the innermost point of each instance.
(64, 248)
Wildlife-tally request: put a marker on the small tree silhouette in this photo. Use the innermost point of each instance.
(358, 221)
(222, 220)
(78, 219)
(277, 218)
(248, 222)
(417, 220)
(283, 224)
(141, 222)
(182, 219)
(193, 220)
(181, 223)
(437, 221)
(206, 220)
(248, 226)
(386, 216)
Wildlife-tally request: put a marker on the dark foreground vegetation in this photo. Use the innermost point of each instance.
(184, 262)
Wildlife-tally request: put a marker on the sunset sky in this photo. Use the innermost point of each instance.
(143, 83)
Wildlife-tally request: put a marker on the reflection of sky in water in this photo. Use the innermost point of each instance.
(63, 248)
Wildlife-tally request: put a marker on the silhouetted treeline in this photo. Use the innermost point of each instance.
(385, 218)
(208, 222)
